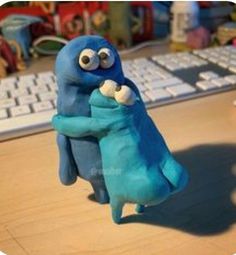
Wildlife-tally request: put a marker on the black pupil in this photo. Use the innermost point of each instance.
(118, 88)
(103, 55)
(85, 59)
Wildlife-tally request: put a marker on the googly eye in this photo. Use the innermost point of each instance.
(124, 95)
(106, 57)
(108, 88)
(88, 60)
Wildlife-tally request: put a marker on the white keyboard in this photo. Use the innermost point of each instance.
(28, 102)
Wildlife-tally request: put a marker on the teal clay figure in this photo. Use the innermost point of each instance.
(137, 165)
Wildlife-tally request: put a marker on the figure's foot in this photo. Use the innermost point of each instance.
(139, 208)
(100, 193)
(116, 211)
(101, 196)
(116, 216)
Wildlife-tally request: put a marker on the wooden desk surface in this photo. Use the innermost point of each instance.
(39, 216)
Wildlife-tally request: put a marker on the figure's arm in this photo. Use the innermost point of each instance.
(78, 126)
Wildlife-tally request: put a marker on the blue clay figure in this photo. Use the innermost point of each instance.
(137, 165)
(81, 66)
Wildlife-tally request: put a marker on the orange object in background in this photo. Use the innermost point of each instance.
(3, 67)
(8, 55)
(46, 6)
(10, 61)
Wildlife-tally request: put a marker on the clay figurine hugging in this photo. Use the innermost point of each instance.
(109, 127)
(81, 66)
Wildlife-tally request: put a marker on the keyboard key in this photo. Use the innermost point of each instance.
(232, 69)
(7, 86)
(145, 98)
(162, 62)
(26, 124)
(208, 75)
(137, 79)
(206, 85)
(3, 95)
(140, 87)
(47, 96)
(232, 62)
(54, 103)
(221, 82)
(46, 74)
(163, 83)
(140, 67)
(20, 110)
(19, 92)
(53, 86)
(25, 84)
(44, 80)
(231, 78)
(38, 89)
(213, 59)
(158, 94)
(127, 73)
(201, 62)
(203, 55)
(181, 90)
(153, 77)
(10, 80)
(42, 106)
(27, 77)
(164, 74)
(173, 66)
(224, 58)
(224, 64)
(3, 114)
(141, 60)
(6, 103)
(40, 82)
(27, 99)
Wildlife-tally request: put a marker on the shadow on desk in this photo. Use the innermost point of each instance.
(206, 206)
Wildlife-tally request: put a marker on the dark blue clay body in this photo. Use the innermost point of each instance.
(137, 165)
(80, 68)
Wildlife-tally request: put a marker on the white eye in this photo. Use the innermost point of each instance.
(107, 58)
(108, 88)
(124, 95)
(88, 60)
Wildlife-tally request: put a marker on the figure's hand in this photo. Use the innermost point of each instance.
(77, 126)
(123, 94)
(57, 123)
(108, 88)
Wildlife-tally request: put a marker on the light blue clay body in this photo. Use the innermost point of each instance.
(137, 165)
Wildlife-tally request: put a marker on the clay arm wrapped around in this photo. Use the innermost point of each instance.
(79, 126)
